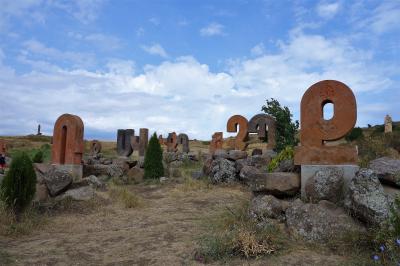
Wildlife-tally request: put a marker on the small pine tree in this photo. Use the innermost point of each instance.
(153, 166)
(19, 185)
(38, 158)
(286, 130)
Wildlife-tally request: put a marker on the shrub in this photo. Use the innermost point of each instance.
(355, 134)
(286, 154)
(19, 185)
(38, 158)
(286, 129)
(153, 166)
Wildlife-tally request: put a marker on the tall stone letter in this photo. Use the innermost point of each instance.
(216, 142)
(95, 147)
(261, 124)
(183, 139)
(232, 126)
(172, 142)
(124, 147)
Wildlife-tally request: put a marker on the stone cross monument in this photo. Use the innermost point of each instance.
(388, 124)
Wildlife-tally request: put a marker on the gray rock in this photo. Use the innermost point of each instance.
(222, 170)
(319, 222)
(366, 198)
(115, 170)
(197, 174)
(57, 180)
(387, 169)
(264, 207)
(259, 161)
(326, 184)
(220, 154)
(239, 164)
(286, 166)
(256, 152)
(236, 155)
(277, 184)
(247, 173)
(94, 182)
(79, 194)
(95, 169)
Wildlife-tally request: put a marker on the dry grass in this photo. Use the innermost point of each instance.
(123, 196)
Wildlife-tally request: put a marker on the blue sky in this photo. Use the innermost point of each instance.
(187, 66)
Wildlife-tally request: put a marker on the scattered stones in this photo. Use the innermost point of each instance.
(277, 184)
(319, 222)
(79, 194)
(222, 170)
(326, 184)
(265, 207)
(366, 198)
(57, 180)
(387, 169)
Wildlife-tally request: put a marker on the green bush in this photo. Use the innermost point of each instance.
(153, 166)
(286, 154)
(38, 158)
(355, 134)
(286, 129)
(19, 185)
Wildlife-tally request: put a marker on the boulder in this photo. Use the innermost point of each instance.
(135, 175)
(319, 222)
(95, 169)
(387, 169)
(236, 155)
(222, 170)
(79, 194)
(256, 152)
(277, 184)
(239, 164)
(326, 184)
(57, 180)
(115, 170)
(93, 181)
(247, 173)
(286, 166)
(366, 198)
(220, 153)
(264, 207)
(259, 161)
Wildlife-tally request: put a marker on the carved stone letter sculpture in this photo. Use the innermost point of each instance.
(261, 124)
(68, 142)
(172, 142)
(232, 126)
(124, 147)
(183, 139)
(315, 129)
(95, 147)
(140, 142)
(216, 142)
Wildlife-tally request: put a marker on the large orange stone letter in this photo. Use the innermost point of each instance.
(232, 126)
(68, 140)
(315, 129)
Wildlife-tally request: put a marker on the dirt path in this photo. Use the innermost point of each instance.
(161, 232)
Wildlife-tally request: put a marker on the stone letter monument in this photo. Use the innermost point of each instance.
(124, 146)
(263, 124)
(235, 123)
(388, 124)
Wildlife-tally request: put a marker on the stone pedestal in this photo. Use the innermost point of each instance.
(308, 171)
(76, 170)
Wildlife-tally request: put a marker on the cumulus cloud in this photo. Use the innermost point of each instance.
(155, 49)
(182, 94)
(212, 29)
(386, 17)
(103, 41)
(328, 10)
(257, 50)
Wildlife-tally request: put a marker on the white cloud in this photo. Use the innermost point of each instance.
(140, 32)
(258, 50)
(386, 17)
(184, 95)
(328, 10)
(105, 42)
(155, 21)
(155, 49)
(213, 29)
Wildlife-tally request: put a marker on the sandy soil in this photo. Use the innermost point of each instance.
(162, 231)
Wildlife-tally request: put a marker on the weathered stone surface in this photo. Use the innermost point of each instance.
(387, 169)
(222, 170)
(216, 142)
(315, 129)
(115, 170)
(248, 173)
(326, 184)
(143, 140)
(263, 207)
(236, 155)
(183, 140)
(277, 184)
(286, 166)
(94, 182)
(172, 142)
(135, 175)
(95, 169)
(238, 123)
(319, 222)
(40, 170)
(259, 161)
(366, 198)
(264, 124)
(256, 152)
(95, 147)
(42, 194)
(68, 142)
(57, 180)
(207, 166)
(124, 145)
(220, 154)
(79, 194)
(388, 124)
